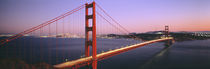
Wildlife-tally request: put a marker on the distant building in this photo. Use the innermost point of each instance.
(65, 35)
(203, 34)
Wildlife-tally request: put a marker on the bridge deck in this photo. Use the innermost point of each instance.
(107, 54)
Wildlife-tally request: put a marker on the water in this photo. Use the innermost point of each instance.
(181, 55)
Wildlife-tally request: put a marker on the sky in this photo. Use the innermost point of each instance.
(134, 15)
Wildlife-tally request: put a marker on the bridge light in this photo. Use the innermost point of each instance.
(66, 59)
(7, 40)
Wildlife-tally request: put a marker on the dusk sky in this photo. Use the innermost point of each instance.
(134, 15)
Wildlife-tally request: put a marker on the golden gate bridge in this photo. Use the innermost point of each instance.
(91, 28)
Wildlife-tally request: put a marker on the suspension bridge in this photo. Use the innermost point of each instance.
(90, 27)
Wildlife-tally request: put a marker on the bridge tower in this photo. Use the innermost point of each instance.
(166, 31)
(168, 42)
(88, 29)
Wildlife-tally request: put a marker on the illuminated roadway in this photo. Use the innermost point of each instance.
(107, 54)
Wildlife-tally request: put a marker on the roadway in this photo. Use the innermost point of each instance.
(107, 54)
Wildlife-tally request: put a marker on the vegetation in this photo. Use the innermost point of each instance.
(20, 64)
